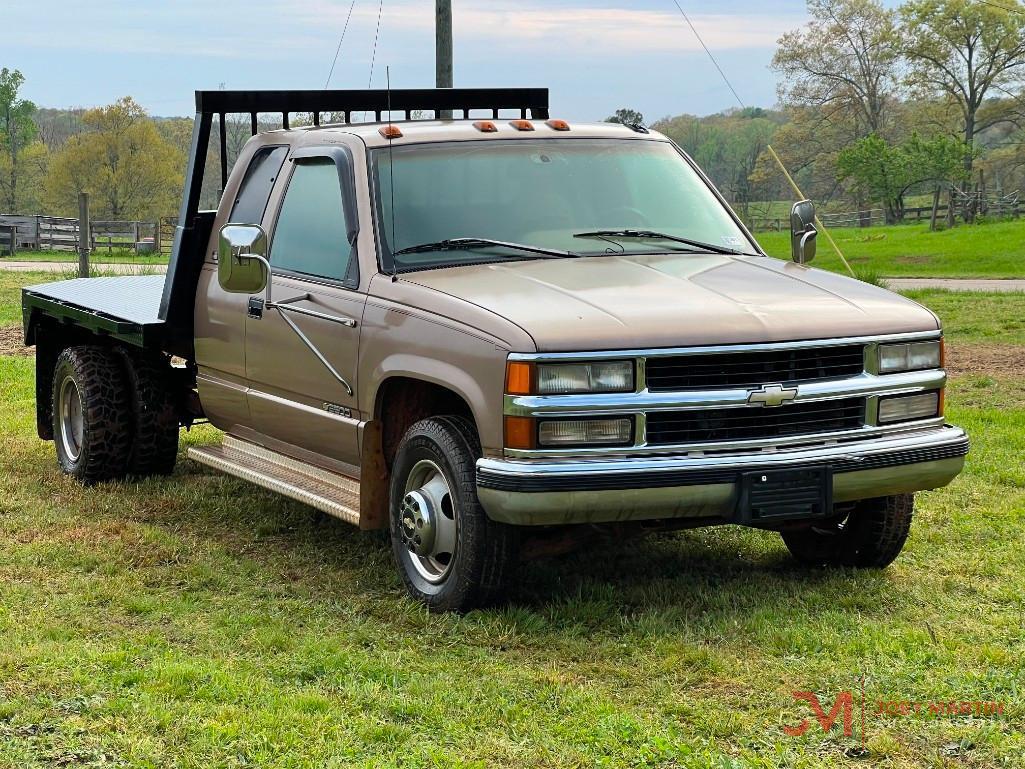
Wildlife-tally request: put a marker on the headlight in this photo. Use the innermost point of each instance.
(585, 432)
(911, 356)
(524, 378)
(567, 378)
(905, 408)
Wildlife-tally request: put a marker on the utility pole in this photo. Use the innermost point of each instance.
(443, 47)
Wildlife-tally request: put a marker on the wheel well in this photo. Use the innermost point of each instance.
(404, 401)
(52, 338)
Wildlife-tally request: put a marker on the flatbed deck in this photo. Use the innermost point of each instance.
(123, 307)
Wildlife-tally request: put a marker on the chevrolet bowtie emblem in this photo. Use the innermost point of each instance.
(772, 396)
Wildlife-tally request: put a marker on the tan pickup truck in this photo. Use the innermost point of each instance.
(495, 336)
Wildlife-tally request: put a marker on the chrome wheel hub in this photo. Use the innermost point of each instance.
(427, 521)
(417, 524)
(71, 422)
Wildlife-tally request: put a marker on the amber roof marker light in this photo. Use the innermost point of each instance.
(486, 126)
(557, 125)
(522, 125)
(390, 131)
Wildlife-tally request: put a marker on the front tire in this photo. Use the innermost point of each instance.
(450, 555)
(870, 536)
(92, 420)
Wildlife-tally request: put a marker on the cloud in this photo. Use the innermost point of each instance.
(536, 27)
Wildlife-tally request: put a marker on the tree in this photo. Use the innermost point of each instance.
(963, 50)
(122, 160)
(626, 117)
(17, 131)
(726, 146)
(885, 172)
(845, 62)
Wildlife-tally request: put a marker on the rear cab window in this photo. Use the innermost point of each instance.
(254, 192)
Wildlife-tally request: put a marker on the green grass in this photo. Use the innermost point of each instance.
(995, 250)
(97, 257)
(11, 284)
(196, 621)
(971, 317)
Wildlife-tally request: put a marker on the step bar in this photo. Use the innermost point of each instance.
(331, 493)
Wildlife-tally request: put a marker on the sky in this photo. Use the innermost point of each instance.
(595, 56)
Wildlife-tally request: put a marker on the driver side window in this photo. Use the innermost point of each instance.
(311, 234)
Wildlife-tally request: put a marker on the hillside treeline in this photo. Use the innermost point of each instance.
(874, 105)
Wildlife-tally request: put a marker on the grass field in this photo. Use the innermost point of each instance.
(994, 250)
(97, 257)
(196, 621)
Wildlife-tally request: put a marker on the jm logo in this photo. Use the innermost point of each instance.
(844, 705)
(772, 396)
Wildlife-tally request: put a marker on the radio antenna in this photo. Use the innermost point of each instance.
(391, 183)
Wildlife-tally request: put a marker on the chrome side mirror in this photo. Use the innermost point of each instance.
(242, 266)
(803, 232)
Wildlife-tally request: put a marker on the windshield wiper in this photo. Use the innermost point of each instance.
(652, 235)
(467, 244)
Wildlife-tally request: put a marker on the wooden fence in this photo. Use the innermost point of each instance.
(165, 234)
(55, 233)
(876, 216)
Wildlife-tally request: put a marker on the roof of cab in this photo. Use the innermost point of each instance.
(421, 131)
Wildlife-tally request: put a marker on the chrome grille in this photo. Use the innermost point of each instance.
(752, 423)
(714, 371)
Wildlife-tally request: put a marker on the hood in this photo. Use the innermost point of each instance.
(676, 300)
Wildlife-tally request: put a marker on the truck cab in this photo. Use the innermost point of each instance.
(496, 338)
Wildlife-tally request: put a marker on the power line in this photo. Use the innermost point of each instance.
(373, 56)
(710, 56)
(339, 48)
(377, 34)
(1001, 7)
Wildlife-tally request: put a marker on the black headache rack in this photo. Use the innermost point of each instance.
(194, 226)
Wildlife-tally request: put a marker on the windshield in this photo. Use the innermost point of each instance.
(545, 193)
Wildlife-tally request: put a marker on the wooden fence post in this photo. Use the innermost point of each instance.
(83, 235)
(935, 209)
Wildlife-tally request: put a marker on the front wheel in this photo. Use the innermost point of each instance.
(870, 536)
(451, 556)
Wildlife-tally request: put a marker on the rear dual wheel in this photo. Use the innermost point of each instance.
(113, 415)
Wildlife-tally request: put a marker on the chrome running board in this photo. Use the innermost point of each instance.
(328, 492)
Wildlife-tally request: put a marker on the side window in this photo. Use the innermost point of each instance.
(256, 185)
(311, 233)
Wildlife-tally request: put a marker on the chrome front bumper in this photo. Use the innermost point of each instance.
(594, 490)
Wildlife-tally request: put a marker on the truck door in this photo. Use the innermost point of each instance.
(301, 353)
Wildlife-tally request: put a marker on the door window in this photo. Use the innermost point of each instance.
(311, 235)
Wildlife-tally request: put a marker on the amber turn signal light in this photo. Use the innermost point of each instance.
(519, 378)
(520, 433)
